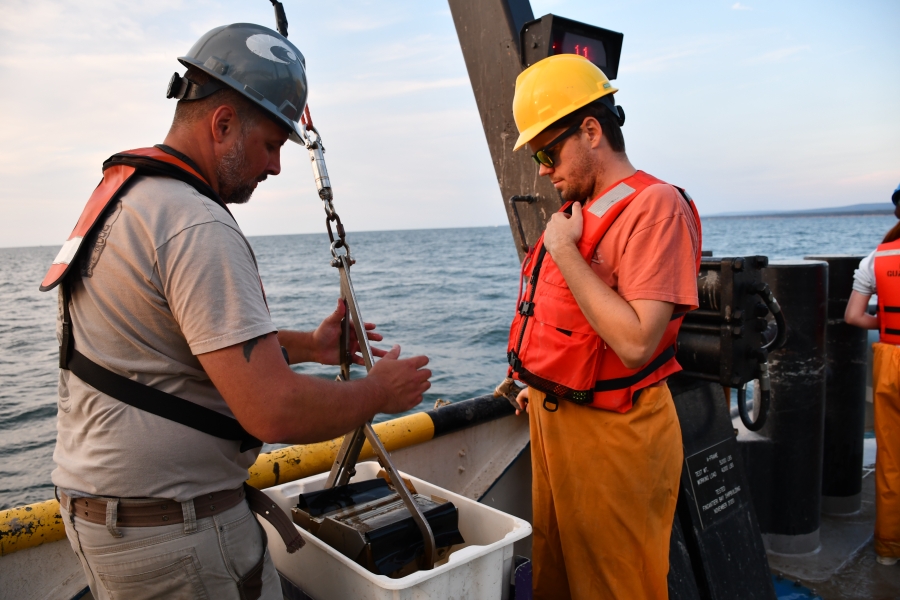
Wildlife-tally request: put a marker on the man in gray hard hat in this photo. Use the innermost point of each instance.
(172, 372)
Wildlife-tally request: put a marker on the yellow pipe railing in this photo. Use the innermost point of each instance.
(296, 462)
(29, 526)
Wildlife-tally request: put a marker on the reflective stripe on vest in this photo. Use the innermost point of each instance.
(887, 283)
(552, 346)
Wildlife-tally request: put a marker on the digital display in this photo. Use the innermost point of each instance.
(591, 49)
(551, 35)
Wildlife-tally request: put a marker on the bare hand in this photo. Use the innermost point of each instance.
(564, 229)
(399, 383)
(326, 339)
(522, 401)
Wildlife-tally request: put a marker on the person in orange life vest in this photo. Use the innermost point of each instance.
(606, 457)
(879, 273)
(167, 297)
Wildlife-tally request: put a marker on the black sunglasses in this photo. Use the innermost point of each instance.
(542, 156)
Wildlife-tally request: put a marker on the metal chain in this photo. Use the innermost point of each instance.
(345, 464)
(316, 149)
(341, 241)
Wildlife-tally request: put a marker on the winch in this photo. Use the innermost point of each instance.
(383, 526)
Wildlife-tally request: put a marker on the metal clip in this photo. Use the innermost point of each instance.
(513, 359)
(526, 308)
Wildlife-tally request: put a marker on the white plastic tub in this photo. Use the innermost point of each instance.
(479, 569)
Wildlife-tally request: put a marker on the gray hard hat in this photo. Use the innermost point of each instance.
(259, 63)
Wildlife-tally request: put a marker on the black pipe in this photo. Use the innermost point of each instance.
(845, 394)
(784, 458)
(468, 413)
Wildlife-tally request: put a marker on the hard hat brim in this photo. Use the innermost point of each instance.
(261, 65)
(293, 128)
(536, 129)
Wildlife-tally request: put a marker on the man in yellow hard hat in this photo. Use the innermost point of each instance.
(594, 338)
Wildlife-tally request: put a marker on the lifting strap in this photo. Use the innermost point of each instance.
(129, 391)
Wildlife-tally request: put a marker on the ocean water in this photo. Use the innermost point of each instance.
(447, 293)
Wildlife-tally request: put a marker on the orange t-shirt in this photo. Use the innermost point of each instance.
(649, 252)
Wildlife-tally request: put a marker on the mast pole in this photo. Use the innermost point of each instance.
(488, 32)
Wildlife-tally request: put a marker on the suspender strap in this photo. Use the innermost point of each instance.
(608, 385)
(160, 403)
(149, 166)
(144, 397)
(67, 344)
(158, 161)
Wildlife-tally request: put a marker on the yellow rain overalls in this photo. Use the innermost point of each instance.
(886, 397)
(604, 498)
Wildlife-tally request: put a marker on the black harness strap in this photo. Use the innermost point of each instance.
(128, 391)
(144, 397)
(608, 385)
(145, 165)
(159, 403)
(67, 345)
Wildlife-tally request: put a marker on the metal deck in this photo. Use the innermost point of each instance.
(844, 567)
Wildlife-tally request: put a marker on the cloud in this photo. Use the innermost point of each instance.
(668, 57)
(885, 178)
(659, 62)
(362, 91)
(778, 55)
(360, 24)
(415, 55)
(363, 16)
(739, 6)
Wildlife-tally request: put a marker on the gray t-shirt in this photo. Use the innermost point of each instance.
(169, 275)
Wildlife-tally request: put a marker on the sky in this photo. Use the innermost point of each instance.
(751, 105)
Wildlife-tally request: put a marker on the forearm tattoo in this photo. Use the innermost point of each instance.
(250, 345)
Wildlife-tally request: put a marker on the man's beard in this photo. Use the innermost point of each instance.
(581, 179)
(234, 188)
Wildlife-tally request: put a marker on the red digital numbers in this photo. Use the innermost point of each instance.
(582, 45)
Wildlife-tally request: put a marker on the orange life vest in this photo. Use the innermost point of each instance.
(887, 282)
(552, 346)
(117, 171)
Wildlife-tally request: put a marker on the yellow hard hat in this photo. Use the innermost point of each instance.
(552, 88)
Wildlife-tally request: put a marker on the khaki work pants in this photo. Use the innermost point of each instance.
(166, 562)
(886, 396)
(605, 487)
